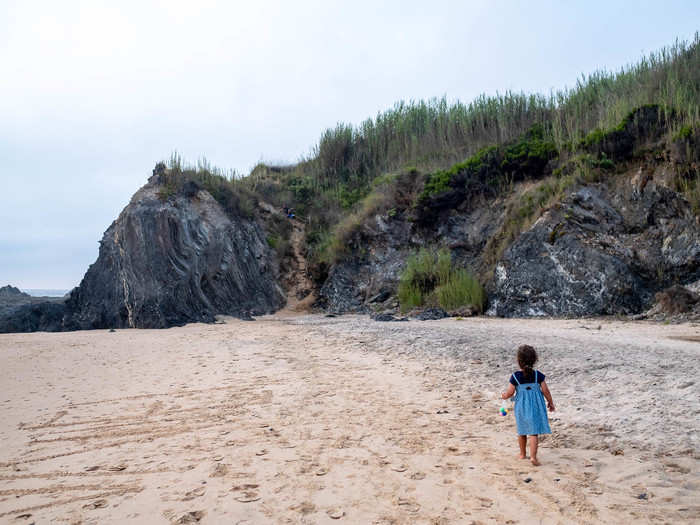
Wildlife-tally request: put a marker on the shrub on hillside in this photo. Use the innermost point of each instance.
(430, 278)
(645, 123)
(489, 172)
(177, 178)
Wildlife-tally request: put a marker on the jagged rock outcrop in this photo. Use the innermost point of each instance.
(11, 293)
(45, 316)
(370, 274)
(675, 304)
(614, 227)
(603, 250)
(606, 248)
(20, 312)
(167, 262)
(11, 298)
(353, 282)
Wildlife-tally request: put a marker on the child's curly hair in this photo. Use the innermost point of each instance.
(527, 357)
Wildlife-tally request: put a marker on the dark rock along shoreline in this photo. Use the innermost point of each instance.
(607, 248)
(164, 263)
(169, 263)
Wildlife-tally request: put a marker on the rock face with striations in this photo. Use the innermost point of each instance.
(380, 248)
(169, 262)
(606, 248)
(603, 250)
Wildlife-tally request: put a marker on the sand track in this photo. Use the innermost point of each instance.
(313, 420)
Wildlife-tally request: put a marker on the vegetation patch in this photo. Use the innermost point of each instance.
(489, 172)
(645, 123)
(430, 278)
(685, 153)
(229, 191)
(390, 195)
(356, 171)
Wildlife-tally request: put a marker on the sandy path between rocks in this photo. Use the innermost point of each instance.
(315, 420)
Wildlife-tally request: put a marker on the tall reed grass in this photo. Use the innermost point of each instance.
(435, 133)
(430, 278)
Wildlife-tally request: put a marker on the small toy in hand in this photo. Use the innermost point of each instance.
(503, 411)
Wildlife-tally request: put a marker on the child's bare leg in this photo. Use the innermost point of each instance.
(522, 441)
(533, 450)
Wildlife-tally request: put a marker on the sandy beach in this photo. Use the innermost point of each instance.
(308, 419)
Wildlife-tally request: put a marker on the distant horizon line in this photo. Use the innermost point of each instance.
(47, 292)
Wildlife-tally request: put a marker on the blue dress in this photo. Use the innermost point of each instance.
(530, 409)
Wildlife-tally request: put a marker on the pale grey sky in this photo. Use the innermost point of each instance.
(92, 93)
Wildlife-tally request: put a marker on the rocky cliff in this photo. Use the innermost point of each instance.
(367, 278)
(169, 261)
(21, 312)
(605, 249)
(603, 241)
(598, 228)
(165, 261)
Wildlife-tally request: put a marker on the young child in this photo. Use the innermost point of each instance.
(530, 412)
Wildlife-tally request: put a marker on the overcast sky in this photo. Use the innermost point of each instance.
(92, 93)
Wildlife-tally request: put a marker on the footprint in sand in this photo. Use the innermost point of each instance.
(248, 496)
(155, 407)
(418, 475)
(97, 504)
(220, 470)
(485, 502)
(305, 507)
(190, 517)
(408, 505)
(196, 493)
(245, 486)
(335, 514)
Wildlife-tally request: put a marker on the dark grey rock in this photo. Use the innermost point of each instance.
(19, 309)
(386, 317)
(385, 244)
(380, 297)
(382, 317)
(602, 251)
(357, 281)
(464, 311)
(166, 263)
(341, 292)
(428, 314)
(34, 317)
(10, 292)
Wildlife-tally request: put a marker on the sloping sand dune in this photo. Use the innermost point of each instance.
(315, 420)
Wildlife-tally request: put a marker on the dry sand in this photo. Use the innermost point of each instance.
(315, 420)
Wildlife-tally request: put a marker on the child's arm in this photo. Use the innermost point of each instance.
(509, 392)
(548, 396)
